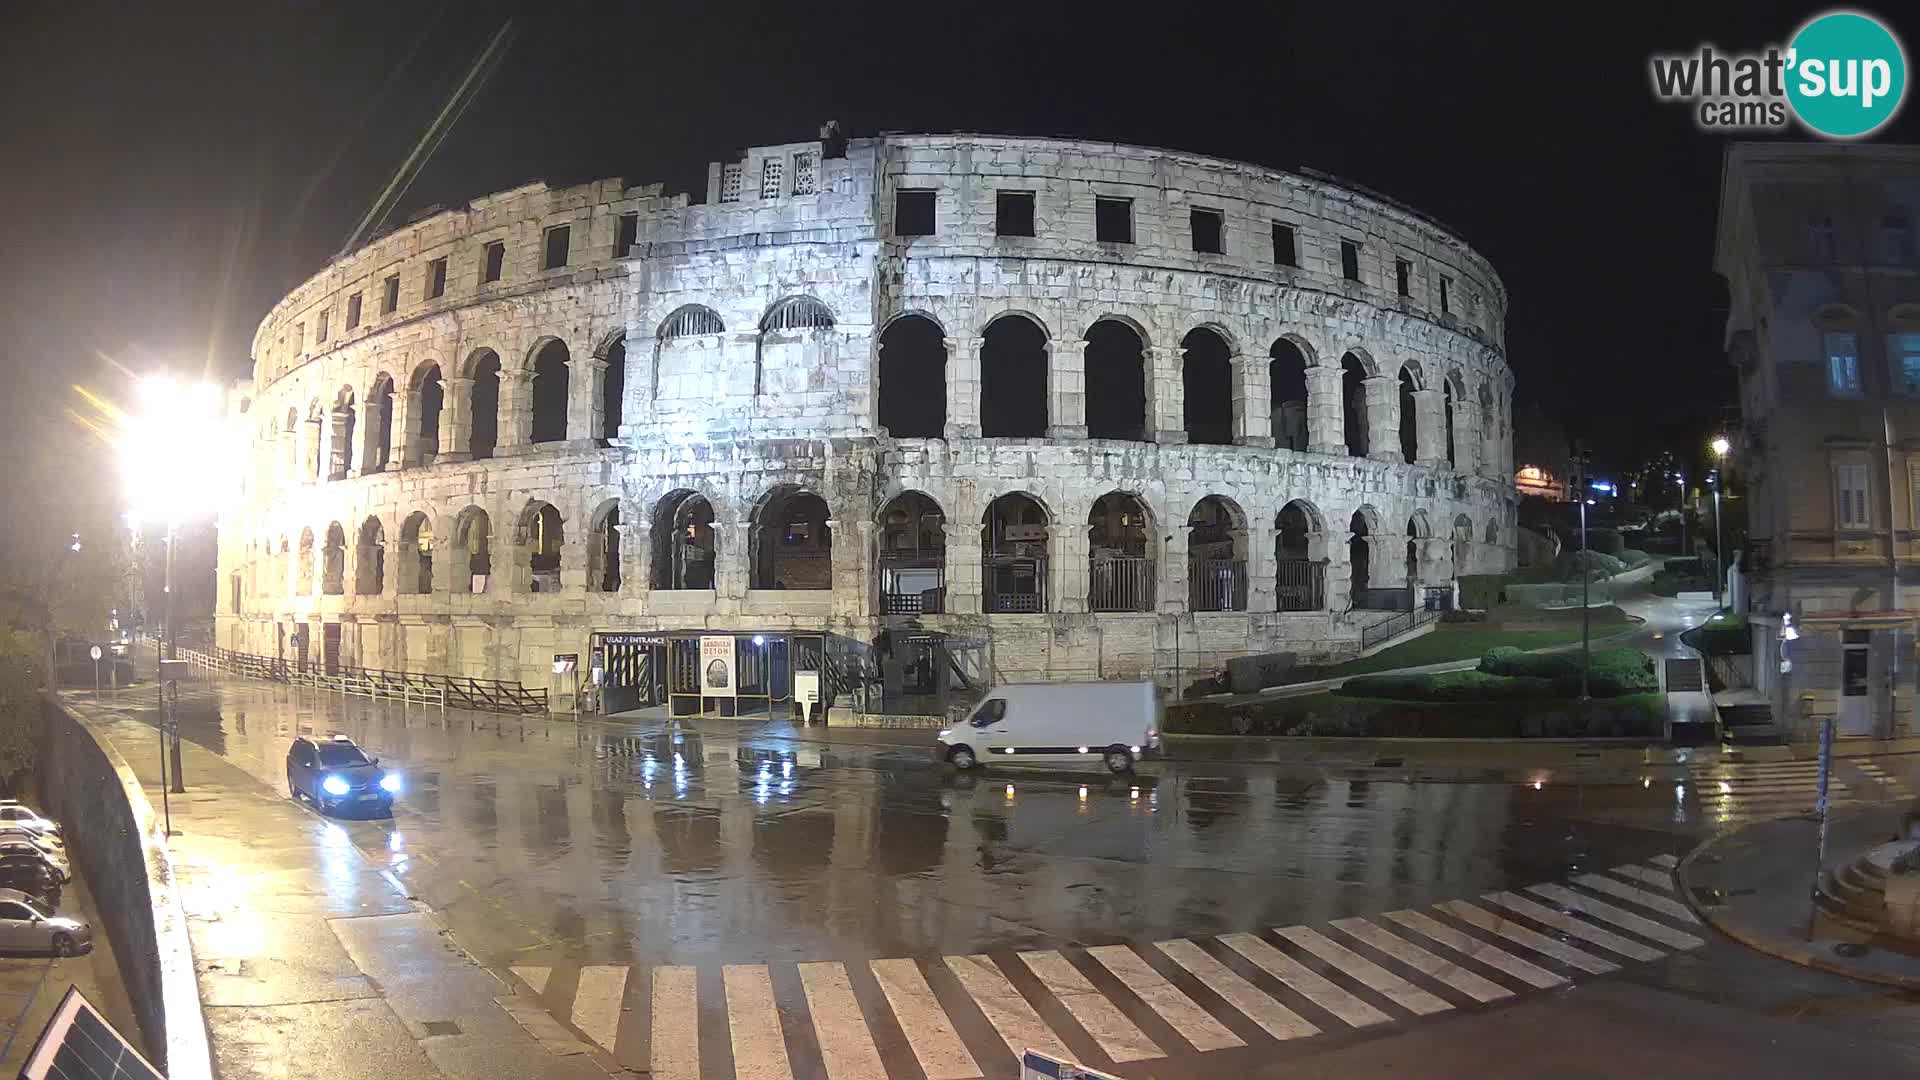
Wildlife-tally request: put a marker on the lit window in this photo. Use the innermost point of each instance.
(1850, 496)
(1904, 348)
(1843, 362)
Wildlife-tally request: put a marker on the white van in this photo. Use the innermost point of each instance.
(1048, 723)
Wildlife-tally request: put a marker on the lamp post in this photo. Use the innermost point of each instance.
(1719, 446)
(1582, 459)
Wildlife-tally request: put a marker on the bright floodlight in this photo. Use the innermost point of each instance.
(173, 450)
(1721, 445)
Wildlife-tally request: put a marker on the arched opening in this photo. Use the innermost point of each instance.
(913, 556)
(1409, 418)
(1287, 382)
(1300, 558)
(1119, 554)
(431, 397)
(380, 424)
(1013, 555)
(541, 537)
(1489, 436)
(682, 370)
(1013, 379)
(1417, 532)
(415, 576)
(683, 542)
(1353, 400)
(1462, 544)
(1446, 401)
(1493, 533)
(340, 436)
(603, 551)
(550, 393)
(786, 353)
(316, 441)
(333, 564)
(304, 587)
(1359, 556)
(1207, 382)
(613, 391)
(281, 567)
(472, 554)
(913, 378)
(791, 544)
(1216, 556)
(1116, 382)
(484, 423)
(370, 559)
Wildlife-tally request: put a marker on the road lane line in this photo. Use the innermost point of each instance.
(1424, 962)
(1625, 920)
(1667, 906)
(1579, 928)
(1365, 972)
(935, 1043)
(1005, 1009)
(1119, 1039)
(1473, 947)
(1305, 981)
(676, 1024)
(596, 1004)
(1520, 935)
(1659, 879)
(1254, 1003)
(1194, 1023)
(535, 977)
(759, 1048)
(1667, 861)
(846, 1046)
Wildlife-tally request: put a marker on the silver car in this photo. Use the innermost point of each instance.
(25, 926)
(16, 813)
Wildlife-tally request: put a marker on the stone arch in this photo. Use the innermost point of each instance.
(1300, 557)
(483, 415)
(1216, 555)
(1489, 427)
(340, 434)
(1362, 532)
(370, 558)
(379, 450)
(1122, 548)
(471, 551)
(429, 400)
(796, 313)
(1409, 413)
(333, 564)
(1354, 372)
(684, 542)
(1462, 544)
(1288, 359)
(912, 555)
(549, 362)
(913, 378)
(780, 360)
(414, 568)
(1493, 533)
(1014, 531)
(690, 320)
(305, 564)
(540, 536)
(1449, 395)
(1116, 379)
(613, 385)
(1206, 374)
(1013, 377)
(790, 541)
(603, 548)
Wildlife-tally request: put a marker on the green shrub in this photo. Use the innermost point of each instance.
(1447, 686)
(1634, 558)
(1482, 590)
(1611, 672)
(1598, 565)
(1606, 541)
(1667, 583)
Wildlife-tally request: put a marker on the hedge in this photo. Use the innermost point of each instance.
(1448, 686)
(1598, 564)
(1610, 672)
(1639, 716)
(1604, 540)
(1634, 558)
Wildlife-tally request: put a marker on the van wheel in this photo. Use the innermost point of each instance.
(1118, 760)
(62, 945)
(961, 757)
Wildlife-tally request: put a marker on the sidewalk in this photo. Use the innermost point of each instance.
(312, 960)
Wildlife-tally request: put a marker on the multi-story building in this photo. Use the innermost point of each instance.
(1816, 241)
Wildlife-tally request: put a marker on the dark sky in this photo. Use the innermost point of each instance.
(167, 172)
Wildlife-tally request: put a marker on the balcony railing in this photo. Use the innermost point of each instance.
(915, 585)
(1300, 585)
(1120, 583)
(1217, 584)
(1015, 584)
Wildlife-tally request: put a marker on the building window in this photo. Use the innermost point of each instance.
(1843, 363)
(1897, 235)
(628, 235)
(1850, 496)
(730, 183)
(1208, 229)
(1820, 239)
(913, 213)
(772, 170)
(1904, 348)
(1446, 287)
(321, 331)
(1350, 259)
(300, 337)
(493, 262)
(437, 278)
(559, 238)
(1013, 213)
(390, 302)
(1403, 277)
(353, 311)
(1285, 253)
(804, 173)
(1113, 220)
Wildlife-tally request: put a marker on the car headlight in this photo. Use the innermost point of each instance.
(334, 785)
(390, 783)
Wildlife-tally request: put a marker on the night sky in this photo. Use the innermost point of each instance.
(167, 176)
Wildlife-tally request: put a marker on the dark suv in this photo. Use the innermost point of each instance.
(31, 875)
(336, 775)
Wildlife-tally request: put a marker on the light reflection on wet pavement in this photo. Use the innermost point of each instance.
(546, 841)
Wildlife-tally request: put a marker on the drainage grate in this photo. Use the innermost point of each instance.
(440, 1027)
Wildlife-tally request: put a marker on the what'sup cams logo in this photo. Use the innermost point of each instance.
(1842, 76)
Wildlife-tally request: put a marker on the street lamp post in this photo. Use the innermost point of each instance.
(1581, 461)
(1720, 446)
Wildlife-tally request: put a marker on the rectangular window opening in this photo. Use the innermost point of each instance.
(559, 238)
(629, 235)
(390, 302)
(493, 262)
(1285, 252)
(913, 213)
(1209, 227)
(1446, 299)
(1113, 220)
(321, 330)
(1843, 363)
(1403, 277)
(1350, 259)
(1850, 490)
(1904, 347)
(1013, 213)
(437, 278)
(353, 311)
(300, 337)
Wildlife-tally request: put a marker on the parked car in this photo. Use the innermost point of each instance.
(28, 848)
(335, 774)
(1116, 723)
(30, 874)
(27, 926)
(14, 812)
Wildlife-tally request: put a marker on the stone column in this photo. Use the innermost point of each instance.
(1383, 418)
(855, 570)
(406, 409)
(1466, 436)
(965, 588)
(585, 408)
(731, 557)
(456, 419)
(1262, 591)
(637, 392)
(290, 458)
(313, 463)
(963, 388)
(1173, 572)
(1067, 389)
(636, 552)
(1067, 568)
(1326, 415)
(1166, 394)
(1339, 584)
(1252, 402)
(1430, 428)
(516, 412)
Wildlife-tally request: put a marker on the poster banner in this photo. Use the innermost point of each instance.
(716, 666)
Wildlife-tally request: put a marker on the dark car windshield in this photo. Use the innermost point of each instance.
(341, 757)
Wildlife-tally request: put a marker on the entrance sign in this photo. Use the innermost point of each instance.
(716, 666)
(565, 662)
(806, 690)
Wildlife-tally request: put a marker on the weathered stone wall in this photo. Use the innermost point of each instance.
(720, 396)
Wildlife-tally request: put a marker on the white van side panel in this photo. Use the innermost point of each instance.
(1054, 719)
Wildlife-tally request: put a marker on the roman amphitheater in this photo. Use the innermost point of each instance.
(890, 417)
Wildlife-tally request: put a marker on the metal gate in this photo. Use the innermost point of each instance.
(632, 663)
(330, 647)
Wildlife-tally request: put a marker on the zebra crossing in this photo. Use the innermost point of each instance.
(1733, 794)
(965, 1016)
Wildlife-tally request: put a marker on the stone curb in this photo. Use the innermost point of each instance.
(1793, 952)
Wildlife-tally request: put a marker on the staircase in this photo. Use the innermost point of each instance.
(1856, 894)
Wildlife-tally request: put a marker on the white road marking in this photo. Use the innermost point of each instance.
(1366, 972)
(1473, 947)
(1514, 932)
(1119, 1039)
(759, 1049)
(846, 1046)
(1254, 1003)
(1659, 879)
(535, 977)
(935, 1043)
(1625, 920)
(1673, 909)
(1667, 861)
(676, 1024)
(1005, 1009)
(1305, 981)
(1565, 923)
(596, 1005)
(1424, 962)
(1194, 1023)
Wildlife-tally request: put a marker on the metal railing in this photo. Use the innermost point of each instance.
(1390, 628)
(484, 695)
(1216, 585)
(895, 600)
(1300, 585)
(1014, 584)
(1120, 583)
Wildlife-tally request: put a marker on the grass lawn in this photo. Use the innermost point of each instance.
(1458, 642)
